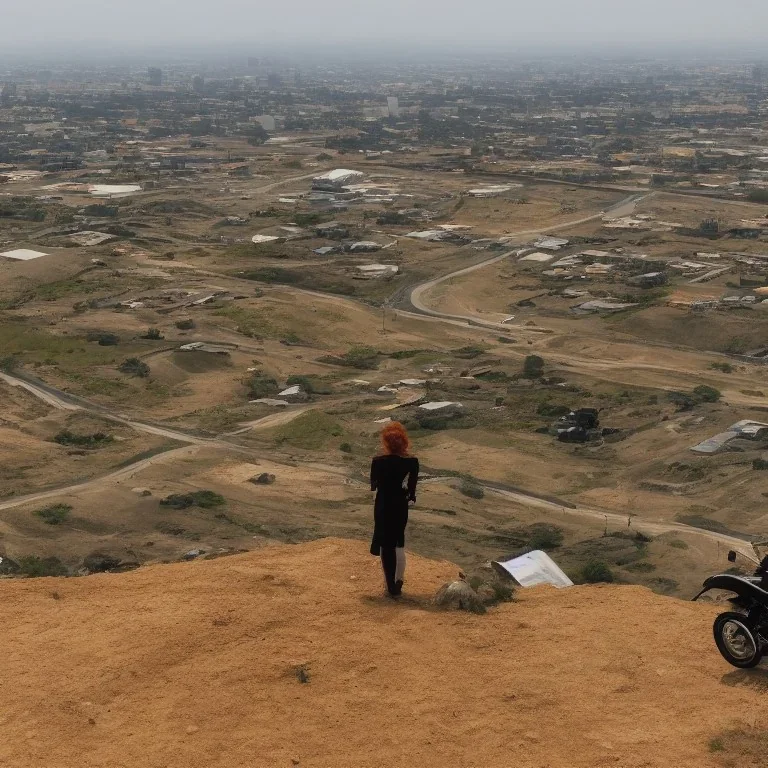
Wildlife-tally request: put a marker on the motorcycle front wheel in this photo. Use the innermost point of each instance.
(737, 640)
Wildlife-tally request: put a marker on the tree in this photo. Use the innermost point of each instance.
(707, 394)
(256, 135)
(596, 572)
(55, 514)
(261, 385)
(533, 367)
(104, 339)
(154, 334)
(134, 367)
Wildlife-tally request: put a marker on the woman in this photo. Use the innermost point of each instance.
(394, 475)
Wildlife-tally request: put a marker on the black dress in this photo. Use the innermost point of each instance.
(394, 479)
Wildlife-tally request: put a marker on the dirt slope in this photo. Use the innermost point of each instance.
(194, 664)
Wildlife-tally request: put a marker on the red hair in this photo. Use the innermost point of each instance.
(394, 439)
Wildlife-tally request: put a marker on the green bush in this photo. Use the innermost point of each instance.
(204, 499)
(545, 536)
(643, 566)
(596, 572)
(345, 448)
(360, 357)
(706, 394)
(55, 514)
(153, 334)
(404, 354)
(310, 384)
(261, 385)
(134, 367)
(533, 367)
(96, 440)
(103, 339)
(471, 488)
(724, 367)
(678, 544)
(552, 410)
(34, 566)
(470, 352)
(186, 324)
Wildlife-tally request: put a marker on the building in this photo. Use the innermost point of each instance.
(336, 180)
(198, 84)
(155, 76)
(393, 106)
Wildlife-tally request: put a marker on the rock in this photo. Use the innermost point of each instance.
(192, 554)
(98, 562)
(263, 479)
(141, 491)
(459, 595)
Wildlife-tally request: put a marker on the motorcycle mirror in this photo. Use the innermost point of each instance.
(731, 557)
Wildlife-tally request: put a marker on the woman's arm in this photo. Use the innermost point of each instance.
(413, 478)
(374, 475)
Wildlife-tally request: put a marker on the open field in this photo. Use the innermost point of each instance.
(104, 329)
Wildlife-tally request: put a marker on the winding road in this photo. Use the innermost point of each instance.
(415, 305)
(62, 400)
(415, 299)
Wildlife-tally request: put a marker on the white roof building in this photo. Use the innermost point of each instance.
(336, 179)
(23, 254)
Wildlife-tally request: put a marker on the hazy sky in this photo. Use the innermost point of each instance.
(532, 23)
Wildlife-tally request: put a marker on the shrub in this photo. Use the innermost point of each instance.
(186, 324)
(552, 410)
(404, 354)
(706, 394)
(470, 352)
(596, 572)
(471, 488)
(96, 440)
(310, 384)
(134, 367)
(204, 499)
(103, 339)
(345, 448)
(55, 514)
(545, 536)
(360, 357)
(34, 566)
(678, 544)
(643, 566)
(533, 367)
(683, 401)
(261, 385)
(724, 367)
(154, 334)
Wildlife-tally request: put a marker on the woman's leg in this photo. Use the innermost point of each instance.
(389, 565)
(399, 565)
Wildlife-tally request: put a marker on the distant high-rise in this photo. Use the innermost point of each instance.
(393, 106)
(198, 83)
(155, 76)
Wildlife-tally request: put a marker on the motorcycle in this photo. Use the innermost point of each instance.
(741, 635)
